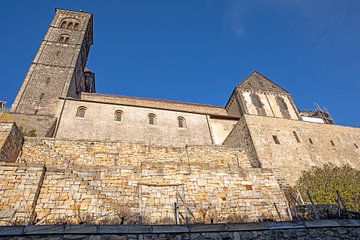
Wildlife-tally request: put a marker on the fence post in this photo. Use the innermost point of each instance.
(176, 208)
(313, 205)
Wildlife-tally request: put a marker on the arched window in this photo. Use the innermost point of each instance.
(255, 100)
(283, 107)
(64, 39)
(118, 116)
(81, 112)
(282, 104)
(181, 122)
(63, 24)
(152, 119)
(70, 25)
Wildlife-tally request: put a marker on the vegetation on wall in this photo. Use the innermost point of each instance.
(323, 182)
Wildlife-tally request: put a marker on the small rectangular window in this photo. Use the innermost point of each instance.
(310, 140)
(296, 137)
(276, 139)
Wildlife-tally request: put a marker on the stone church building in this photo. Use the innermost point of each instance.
(68, 152)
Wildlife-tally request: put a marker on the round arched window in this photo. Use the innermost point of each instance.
(81, 112)
(118, 116)
(181, 122)
(64, 39)
(152, 119)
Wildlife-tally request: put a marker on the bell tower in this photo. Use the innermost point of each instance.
(59, 67)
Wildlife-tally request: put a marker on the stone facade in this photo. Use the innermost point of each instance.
(10, 142)
(19, 188)
(57, 69)
(117, 159)
(257, 95)
(240, 137)
(314, 145)
(105, 180)
(31, 125)
(99, 122)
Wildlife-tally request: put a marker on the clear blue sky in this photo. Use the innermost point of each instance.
(197, 51)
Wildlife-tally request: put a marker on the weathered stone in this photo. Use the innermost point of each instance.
(71, 229)
(48, 229)
(176, 173)
(11, 230)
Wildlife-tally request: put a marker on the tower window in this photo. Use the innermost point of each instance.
(152, 119)
(81, 112)
(70, 25)
(64, 39)
(118, 116)
(63, 24)
(181, 122)
(276, 139)
(296, 137)
(310, 140)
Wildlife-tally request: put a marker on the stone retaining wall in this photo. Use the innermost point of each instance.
(19, 184)
(31, 125)
(96, 181)
(323, 229)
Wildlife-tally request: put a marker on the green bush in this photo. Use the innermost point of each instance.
(322, 183)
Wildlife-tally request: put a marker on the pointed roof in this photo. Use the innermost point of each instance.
(258, 82)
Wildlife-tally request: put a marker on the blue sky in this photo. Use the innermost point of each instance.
(197, 51)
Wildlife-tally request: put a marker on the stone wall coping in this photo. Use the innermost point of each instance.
(14, 164)
(163, 229)
(135, 142)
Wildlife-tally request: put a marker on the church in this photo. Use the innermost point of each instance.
(94, 153)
